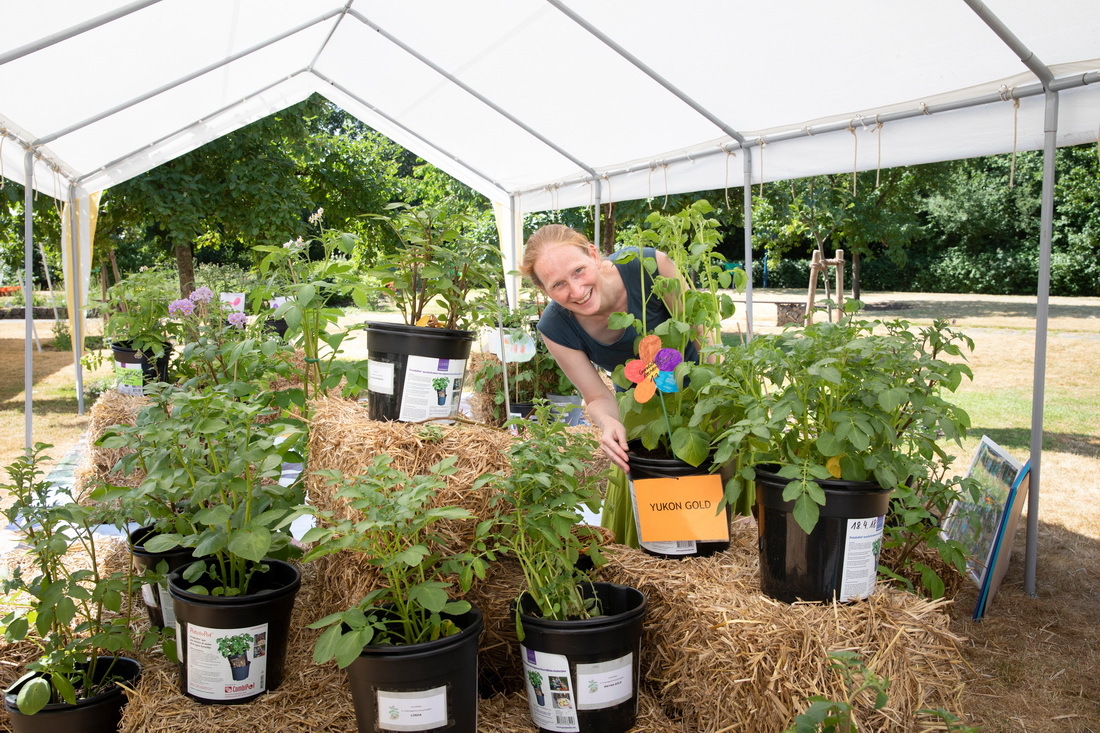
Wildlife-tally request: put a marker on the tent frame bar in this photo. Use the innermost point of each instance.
(472, 92)
(641, 66)
(1072, 81)
(28, 296)
(184, 79)
(74, 30)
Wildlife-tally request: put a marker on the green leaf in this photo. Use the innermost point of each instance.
(806, 513)
(691, 445)
(33, 696)
(251, 544)
(327, 644)
(430, 597)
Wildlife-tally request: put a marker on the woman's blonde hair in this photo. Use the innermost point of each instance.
(545, 237)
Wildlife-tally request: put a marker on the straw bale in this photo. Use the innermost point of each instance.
(725, 657)
(510, 714)
(97, 464)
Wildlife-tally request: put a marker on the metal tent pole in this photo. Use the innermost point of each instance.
(76, 272)
(1042, 312)
(748, 239)
(28, 293)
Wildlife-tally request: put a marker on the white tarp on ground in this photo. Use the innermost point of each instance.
(539, 97)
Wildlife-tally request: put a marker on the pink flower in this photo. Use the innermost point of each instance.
(238, 319)
(202, 295)
(181, 307)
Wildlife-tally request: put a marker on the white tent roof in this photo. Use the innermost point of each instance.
(533, 100)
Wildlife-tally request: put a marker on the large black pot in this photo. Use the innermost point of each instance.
(133, 368)
(589, 667)
(838, 559)
(158, 603)
(263, 613)
(427, 686)
(100, 713)
(403, 361)
(647, 467)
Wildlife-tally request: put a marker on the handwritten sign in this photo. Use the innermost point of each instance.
(519, 346)
(235, 301)
(677, 509)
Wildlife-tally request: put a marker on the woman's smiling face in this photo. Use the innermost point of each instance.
(571, 277)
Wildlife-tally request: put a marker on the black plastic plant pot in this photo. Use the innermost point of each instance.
(588, 669)
(403, 361)
(277, 326)
(158, 603)
(838, 559)
(134, 369)
(263, 615)
(100, 713)
(648, 467)
(430, 686)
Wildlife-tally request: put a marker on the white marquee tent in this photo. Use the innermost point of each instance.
(546, 104)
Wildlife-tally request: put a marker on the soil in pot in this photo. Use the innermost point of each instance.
(263, 615)
(838, 559)
(420, 687)
(403, 361)
(588, 669)
(133, 369)
(158, 603)
(678, 502)
(101, 713)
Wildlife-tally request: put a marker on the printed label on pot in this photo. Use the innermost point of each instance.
(226, 664)
(129, 378)
(549, 692)
(432, 388)
(861, 550)
(379, 377)
(167, 609)
(422, 710)
(605, 684)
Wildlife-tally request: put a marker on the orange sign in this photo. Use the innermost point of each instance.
(677, 509)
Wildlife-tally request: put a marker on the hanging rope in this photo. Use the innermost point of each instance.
(665, 167)
(878, 165)
(1008, 94)
(727, 179)
(649, 186)
(762, 144)
(855, 155)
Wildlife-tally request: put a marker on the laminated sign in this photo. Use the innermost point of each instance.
(683, 508)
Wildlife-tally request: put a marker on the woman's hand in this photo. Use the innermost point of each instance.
(613, 443)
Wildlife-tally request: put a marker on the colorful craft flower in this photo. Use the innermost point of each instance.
(653, 369)
(181, 307)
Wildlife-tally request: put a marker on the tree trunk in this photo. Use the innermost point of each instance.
(607, 232)
(185, 263)
(114, 265)
(855, 275)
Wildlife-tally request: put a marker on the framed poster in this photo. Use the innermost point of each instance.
(986, 527)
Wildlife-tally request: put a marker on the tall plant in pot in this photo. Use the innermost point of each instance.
(72, 612)
(670, 431)
(137, 323)
(850, 412)
(409, 634)
(442, 282)
(213, 461)
(584, 636)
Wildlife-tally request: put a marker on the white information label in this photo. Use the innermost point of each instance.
(431, 389)
(167, 609)
(380, 377)
(549, 692)
(412, 711)
(605, 684)
(130, 378)
(226, 664)
(861, 550)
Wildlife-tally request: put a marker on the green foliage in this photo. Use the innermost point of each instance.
(234, 646)
(75, 617)
(62, 337)
(836, 716)
(395, 531)
(537, 513)
(136, 311)
(212, 465)
(697, 307)
(439, 263)
(841, 400)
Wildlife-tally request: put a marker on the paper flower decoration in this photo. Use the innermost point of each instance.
(652, 370)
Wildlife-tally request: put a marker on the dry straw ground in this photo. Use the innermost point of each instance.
(1032, 661)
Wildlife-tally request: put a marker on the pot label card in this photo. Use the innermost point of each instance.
(233, 669)
(551, 702)
(605, 684)
(677, 509)
(412, 711)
